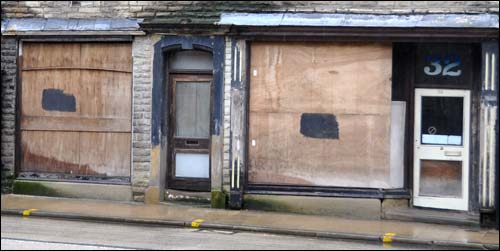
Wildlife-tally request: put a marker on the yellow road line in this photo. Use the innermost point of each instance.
(27, 212)
(387, 237)
(196, 223)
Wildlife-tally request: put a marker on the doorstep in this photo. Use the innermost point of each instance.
(187, 198)
(435, 216)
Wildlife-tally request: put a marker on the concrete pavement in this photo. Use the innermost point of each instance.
(266, 222)
(48, 233)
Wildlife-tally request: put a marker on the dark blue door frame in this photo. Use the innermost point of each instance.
(160, 99)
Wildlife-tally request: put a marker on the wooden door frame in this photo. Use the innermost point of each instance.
(192, 184)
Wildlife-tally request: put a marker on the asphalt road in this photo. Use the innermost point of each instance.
(44, 233)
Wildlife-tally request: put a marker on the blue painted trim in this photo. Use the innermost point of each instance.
(218, 75)
(215, 45)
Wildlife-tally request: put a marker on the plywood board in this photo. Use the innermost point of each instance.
(77, 153)
(103, 56)
(50, 55)
(76, 108)
(106, 153)
(109, 56)
(95, 94)
(50, 152)
(350, 81)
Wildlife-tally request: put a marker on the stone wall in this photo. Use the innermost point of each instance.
(212, 9)
(9, 51)
(142, 50)
(142, 54)
(227, 116)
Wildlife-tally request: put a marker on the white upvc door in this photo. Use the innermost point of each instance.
(441, 149)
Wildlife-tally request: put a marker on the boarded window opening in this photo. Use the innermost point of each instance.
(349, 83)
(76, 111)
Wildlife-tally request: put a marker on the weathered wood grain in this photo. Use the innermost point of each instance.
(76, 108)
(348, 80)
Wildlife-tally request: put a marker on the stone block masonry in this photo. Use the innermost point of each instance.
(212, 9)
(227, 115)
(8, 103)
(142, 51)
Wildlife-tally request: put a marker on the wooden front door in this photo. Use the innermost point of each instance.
(190, 118)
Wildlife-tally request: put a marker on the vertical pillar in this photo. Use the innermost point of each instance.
(488, 139)
(239, 101)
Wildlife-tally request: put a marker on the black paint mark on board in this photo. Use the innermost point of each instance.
(319, 125)
(57, 100)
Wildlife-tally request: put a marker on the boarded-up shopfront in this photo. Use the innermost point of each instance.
(320, 114)
(76, 111)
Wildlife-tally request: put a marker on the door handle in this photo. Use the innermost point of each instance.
(449, 153)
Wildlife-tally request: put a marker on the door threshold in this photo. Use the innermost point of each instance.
(189, 198)
(435, 216)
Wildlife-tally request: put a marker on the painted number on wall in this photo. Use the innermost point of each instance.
(447, 66)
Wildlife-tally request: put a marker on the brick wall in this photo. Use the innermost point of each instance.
(212, 9)
(9, 51)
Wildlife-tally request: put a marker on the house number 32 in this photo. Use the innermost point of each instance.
(448, 68)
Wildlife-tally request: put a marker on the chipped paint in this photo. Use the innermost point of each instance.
(60, 24)
(152, 195)
(155, 165)
(360, 20)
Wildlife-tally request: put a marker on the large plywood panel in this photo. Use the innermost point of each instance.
(50, 55)
(36, 82)
(94, 77)
(102, 99)
(76, 153)
(106, 153)
(76, 108)
(108, 56)
(50, 152)
(104, 56)
(348, 80)
(105, 94)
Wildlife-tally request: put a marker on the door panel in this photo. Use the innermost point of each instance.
(192, 110)
(190, 138)
(441, 153)
(192, 165)
(441, 178)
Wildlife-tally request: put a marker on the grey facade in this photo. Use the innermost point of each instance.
(152, 26)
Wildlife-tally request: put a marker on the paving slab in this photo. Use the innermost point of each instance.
(256, 221)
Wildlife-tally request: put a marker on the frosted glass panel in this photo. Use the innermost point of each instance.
(190, 165)
(192, 110)
(190, 60)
